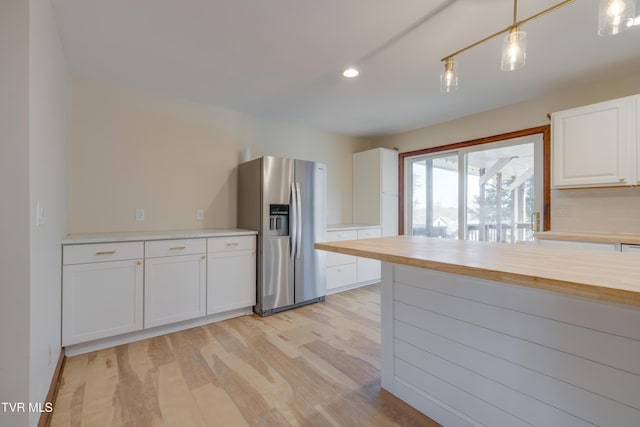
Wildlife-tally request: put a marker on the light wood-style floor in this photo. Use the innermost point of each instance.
(313, 366)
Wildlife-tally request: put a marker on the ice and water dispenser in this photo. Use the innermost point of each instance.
(278, 220)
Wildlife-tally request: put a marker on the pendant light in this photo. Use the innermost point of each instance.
(514, 49)
(615, 16)
(449, 76)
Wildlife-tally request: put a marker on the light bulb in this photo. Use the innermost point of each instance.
(351, 72)
(615, 8)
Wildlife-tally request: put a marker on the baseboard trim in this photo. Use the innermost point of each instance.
(45, 418)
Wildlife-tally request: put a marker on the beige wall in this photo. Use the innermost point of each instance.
(49, 107)
(612, 210)
(131, 149)
(14, 208)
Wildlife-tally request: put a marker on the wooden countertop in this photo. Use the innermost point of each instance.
(607, 276)
(578, 236)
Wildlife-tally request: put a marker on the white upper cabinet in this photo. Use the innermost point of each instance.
(595, 145)
(375, 189)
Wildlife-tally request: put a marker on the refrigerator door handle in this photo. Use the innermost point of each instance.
(298, 221)
(293, 227)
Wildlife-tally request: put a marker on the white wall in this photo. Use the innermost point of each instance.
(14, 207)
(131, 149)
(611, 210)
(49, 107)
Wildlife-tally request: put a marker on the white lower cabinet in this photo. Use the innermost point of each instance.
(611, 247)
(123, 291)
(347, 271)
(231, 273)
(368, 269)
(174, 285)
(631, 248)
(101, 298)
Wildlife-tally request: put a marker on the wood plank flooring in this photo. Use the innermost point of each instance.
(317, 365)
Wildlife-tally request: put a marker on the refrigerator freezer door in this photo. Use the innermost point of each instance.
(310, 264)
(275, 284)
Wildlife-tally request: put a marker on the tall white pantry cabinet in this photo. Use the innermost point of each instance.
(375, 189)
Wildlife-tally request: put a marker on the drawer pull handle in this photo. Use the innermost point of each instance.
(139, 262)
(204, 257)
(233, 244)
(105, 252)
(177, 248)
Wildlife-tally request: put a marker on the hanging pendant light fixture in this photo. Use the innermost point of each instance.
(514, 49)
(449, 76)
(615, 16)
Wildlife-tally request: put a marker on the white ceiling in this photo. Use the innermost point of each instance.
(282, 59)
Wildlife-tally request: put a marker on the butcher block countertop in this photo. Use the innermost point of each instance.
(578, 236)
(606, 276)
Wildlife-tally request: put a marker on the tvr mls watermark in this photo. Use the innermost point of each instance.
(20, 407)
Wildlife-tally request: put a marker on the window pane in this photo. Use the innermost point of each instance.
(434, 197)
(500, 193)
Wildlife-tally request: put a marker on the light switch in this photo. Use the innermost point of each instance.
(139, 214)
(199, 214)
(40, 218)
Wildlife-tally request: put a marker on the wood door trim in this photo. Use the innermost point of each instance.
(546, 143)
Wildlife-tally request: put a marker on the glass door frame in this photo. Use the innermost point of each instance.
(405, 180)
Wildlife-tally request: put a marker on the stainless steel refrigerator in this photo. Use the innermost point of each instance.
(285, 200)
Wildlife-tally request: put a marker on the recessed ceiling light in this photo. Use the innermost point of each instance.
(350, 72)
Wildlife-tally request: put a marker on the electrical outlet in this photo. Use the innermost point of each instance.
(199, 214)
(139, 214)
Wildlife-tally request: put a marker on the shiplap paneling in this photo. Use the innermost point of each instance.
(489, 351)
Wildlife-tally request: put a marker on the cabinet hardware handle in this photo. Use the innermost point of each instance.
(204, 257)
(233, 244)
(621, 179)
(105, 252)
(139, 262)
(176, 248)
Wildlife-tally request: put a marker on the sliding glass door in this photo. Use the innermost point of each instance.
(488, 192)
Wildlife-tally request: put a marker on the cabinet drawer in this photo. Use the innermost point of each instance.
(160, 248)
(98, 252)
(334, 236)
(369, 233)
(334, 258)
(231, 243)
(341, 275)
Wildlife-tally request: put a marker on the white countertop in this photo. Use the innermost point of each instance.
(586, 236)
(340, 227)
(81, 238)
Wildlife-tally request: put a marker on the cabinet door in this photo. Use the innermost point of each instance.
(389, 208)
(174, 289)
(389, 172)
(591, 145)
(100, 300)
(631, 248)
(231, 281)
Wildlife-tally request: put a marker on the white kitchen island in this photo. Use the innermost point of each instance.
(508, 335)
